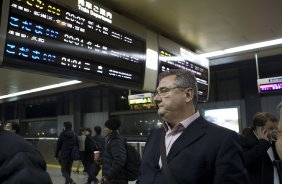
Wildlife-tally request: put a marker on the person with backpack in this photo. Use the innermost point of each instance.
(115, 154)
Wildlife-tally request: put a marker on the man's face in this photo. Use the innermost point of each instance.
(272, 129)
(85, 132)
(170, 99)
(8, 127)
(107, 131)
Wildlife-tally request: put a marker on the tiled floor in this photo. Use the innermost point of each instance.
(80, 178)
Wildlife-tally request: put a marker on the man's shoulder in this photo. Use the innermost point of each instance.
(15, 144)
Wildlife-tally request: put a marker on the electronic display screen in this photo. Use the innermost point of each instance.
(225, 117)
(48, 36)
(170, 61)
(270, 87)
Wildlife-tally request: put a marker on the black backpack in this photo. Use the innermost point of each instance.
(133, 163)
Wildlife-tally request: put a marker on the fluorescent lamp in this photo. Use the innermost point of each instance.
(53, 86)
(243, 48)
(152, 59)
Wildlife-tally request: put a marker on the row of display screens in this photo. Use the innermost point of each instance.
(48, 36)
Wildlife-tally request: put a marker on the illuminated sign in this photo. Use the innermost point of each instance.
(270, 84)
(48, 36)
(271, 87)
(140, 101)
(95, 10)
(140, 98)
(170, 61)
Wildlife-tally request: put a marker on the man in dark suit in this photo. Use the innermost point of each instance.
(197, 151)
(259, 149)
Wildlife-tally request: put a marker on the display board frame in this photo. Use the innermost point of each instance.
(124, 75)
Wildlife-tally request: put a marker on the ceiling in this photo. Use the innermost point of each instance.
(202, 26)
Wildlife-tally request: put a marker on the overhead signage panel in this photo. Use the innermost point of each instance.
(51, 37)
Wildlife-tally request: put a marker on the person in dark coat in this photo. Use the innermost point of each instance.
(115, 154)
(67, 140)
(90, 147)
(259, 151)
(197, 151)
(100, 140)
(20, 162)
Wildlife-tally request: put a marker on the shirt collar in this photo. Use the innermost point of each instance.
(183, 124)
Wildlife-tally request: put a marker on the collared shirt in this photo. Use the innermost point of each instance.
(172, 134)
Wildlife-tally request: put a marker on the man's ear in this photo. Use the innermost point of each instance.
(189, 93)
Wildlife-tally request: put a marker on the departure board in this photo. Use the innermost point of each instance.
(49, 36)
(170, 61)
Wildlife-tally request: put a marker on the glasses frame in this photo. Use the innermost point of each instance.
(164, 91)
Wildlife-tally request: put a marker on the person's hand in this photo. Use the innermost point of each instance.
(275, 134)
(262, 133)
(105, 180)
(98, 161)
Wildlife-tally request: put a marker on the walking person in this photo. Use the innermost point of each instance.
(81, 144)
(65, 144)
(115, 154)
(100, 140)
(90, 147)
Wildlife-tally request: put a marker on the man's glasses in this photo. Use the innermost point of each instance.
(163, 92)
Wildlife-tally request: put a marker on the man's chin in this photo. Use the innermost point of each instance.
(161, 113)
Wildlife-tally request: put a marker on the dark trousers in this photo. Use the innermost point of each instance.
(93, 172)
(66, 165)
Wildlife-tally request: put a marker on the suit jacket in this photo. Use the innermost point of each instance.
(257, 161)
(203, 154)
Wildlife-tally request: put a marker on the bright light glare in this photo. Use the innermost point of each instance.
(243, 48)
(152, 59)
(41, 89)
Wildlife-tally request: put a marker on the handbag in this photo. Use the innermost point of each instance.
(169, 176)
(75, 153)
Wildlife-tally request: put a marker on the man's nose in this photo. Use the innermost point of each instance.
(157, 98)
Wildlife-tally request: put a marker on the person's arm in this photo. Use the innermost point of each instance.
(58, 146)
(229, 167)
(119, 155)
(254, 154)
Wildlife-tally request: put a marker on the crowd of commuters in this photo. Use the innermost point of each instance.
(186, 149)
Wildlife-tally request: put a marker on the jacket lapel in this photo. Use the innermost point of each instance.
(190, 135)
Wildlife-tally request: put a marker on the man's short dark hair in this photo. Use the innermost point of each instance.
(185, 79)
(14, 125)
(97, 130)
(68, 125)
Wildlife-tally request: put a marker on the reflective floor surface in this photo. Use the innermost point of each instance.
(79, 178)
